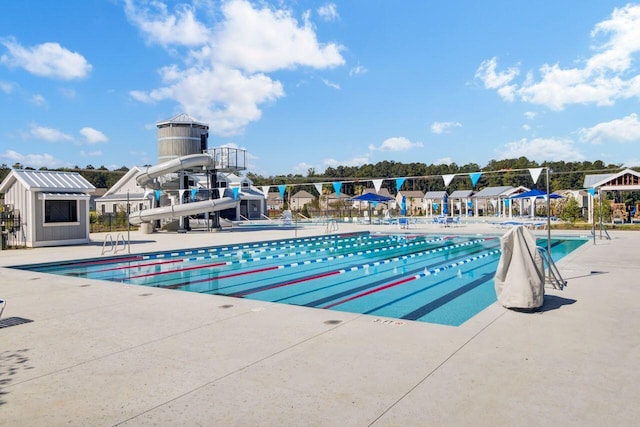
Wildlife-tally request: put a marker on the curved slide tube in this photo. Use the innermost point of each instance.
(176, 211)
(181, 163)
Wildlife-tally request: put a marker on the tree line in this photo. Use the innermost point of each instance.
(563, 175)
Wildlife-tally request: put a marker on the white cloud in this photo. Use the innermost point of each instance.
(603, 78)
(531, 115)
(93, 136)
(38, 100)
(31, 160)
(46, 60)
(91, 153)
(302, 168)
(626, 129)
(357, 70)
(331, 84)
(49, 134)
(268, 40)
(442, 127)
(224, 82)
(526, 127)
(68, 93)
(541, 149)
(396, 144)
(328, 12)
(486, 73)
(6, 87)
(165, 29)
(443, 161)
(224, 98)
(356, 161)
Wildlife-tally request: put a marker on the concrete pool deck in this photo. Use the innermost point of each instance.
(100, 353)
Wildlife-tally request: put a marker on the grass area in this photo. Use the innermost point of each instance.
(587, 226)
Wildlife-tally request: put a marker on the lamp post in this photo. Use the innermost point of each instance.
(548, 214)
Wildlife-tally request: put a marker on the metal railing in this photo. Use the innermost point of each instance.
(331, 226)
(552, 275)
(110, 246)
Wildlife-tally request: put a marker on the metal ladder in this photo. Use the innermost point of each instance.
(331, 226)
(113, 246)
(552, 275)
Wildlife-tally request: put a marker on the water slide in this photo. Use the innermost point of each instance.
(177, 211)
(192, 161)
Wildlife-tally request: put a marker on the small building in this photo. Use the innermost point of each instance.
(460, 201)
(601, 184)
(53, 207)
(434, 202)
(300, 199)
(413, 199)
(274, 201)
(126, 190)
(493, 201)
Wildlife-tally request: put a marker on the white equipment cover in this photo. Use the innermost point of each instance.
(519, 278)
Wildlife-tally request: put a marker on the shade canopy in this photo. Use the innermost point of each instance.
(370, 197)
(538, 194)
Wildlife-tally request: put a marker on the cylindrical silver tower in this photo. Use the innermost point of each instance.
(181, 135)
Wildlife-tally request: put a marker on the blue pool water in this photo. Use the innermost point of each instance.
(429, 278)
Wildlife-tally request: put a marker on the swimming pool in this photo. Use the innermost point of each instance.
(431, 278)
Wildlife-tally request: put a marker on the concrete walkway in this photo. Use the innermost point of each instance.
(101, 353)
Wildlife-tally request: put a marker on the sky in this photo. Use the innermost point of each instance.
(304, 84)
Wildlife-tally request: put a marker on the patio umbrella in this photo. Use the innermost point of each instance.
(533, 195)
(445, 205)
(538, 194)
(403, 206)
(370, 198)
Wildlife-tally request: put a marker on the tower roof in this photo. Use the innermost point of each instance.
(182, 118)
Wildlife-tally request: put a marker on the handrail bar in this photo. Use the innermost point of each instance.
(553, 275)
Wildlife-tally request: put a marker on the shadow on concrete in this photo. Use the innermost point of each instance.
(10, 363)
(133, 242)
(553, 302)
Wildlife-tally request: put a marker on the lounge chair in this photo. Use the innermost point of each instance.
(3, 304)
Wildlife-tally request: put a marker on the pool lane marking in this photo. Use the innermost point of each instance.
(370, 285)
(258, 245)
(226, 255)
(412, 278)
(444, 299)
(231, 254)
(294, 264)
(346, 270)
(284, 255)
(424, 289)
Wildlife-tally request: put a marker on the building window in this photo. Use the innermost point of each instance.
(60, 211)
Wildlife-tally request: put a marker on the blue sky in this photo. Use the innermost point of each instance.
(308, 84)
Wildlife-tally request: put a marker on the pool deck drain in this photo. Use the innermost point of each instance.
(100, 355)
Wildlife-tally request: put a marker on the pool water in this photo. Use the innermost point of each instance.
(429, 278)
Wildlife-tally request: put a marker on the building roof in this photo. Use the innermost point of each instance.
(416, 194)
(435, 195)
(493, 192)
(383, 192)
(182, 118)
(461, 194)
(47, 181)
(601, 180)
(302, 195)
